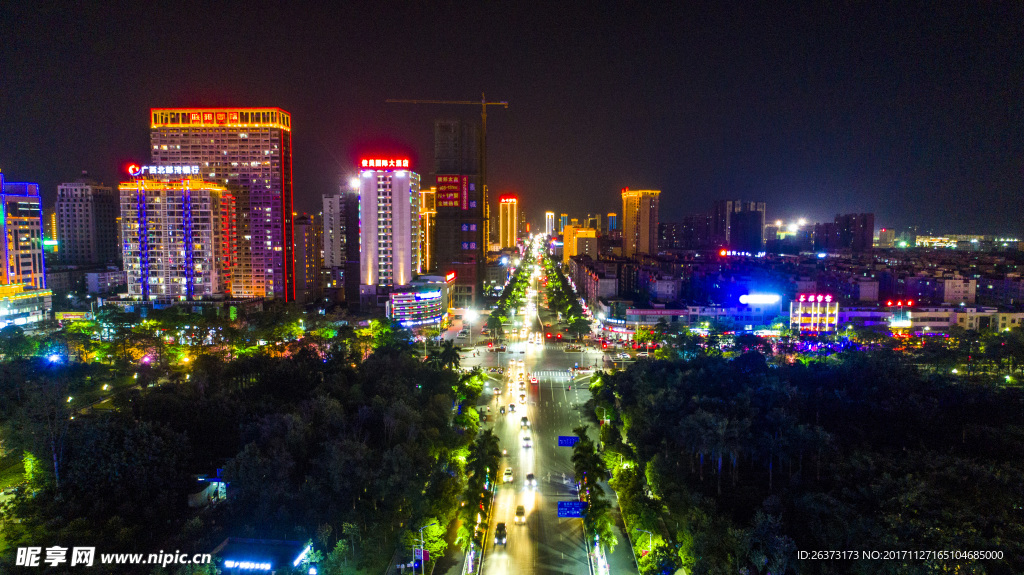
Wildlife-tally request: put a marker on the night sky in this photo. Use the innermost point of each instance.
(914, 113)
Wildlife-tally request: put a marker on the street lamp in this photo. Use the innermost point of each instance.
(423, 548)
(650, 540)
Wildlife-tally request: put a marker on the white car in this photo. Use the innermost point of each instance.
(527, 442)
(507, 477)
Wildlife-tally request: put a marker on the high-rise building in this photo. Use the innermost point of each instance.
(578, 241)
(21, 229)
(856, 231)
(595, 221)
(853, 232)
(508, 222)
(178, 238)
(613, 221)
(747, 231)
(87, 223)
(721, 220)
(887, 238)
(670, 235)
(462, 223)
(549, 223)
(428, 224)
(309, 245)
(563, 220)
(389, 216)
(341, 240)
(695, 232)
(639, 222)
(248, 151)
(51, 246)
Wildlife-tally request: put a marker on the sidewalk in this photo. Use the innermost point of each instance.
(620, 560)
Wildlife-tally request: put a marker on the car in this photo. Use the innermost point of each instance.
(524, 422)
(507, 476)
(511, 407)
(522, 398)
(533, 379)
(500, 534)
(531, 480)
(623, 355)
(501, 410)
(521, 514)
(497, 391)
(643, 354)
(527, 441)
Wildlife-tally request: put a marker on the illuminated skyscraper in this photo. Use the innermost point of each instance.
(389, 214)
(21, 229)
(549, 223)
(249, 152)
(87, 223)
(178, 238)
(639, 222)
(508, 221)
(577, 241)
(613, 221)
(428, 215)
(563, 220)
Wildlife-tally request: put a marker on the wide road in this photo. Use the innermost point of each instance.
(545, 544)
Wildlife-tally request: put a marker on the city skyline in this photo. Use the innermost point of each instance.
(908, 113)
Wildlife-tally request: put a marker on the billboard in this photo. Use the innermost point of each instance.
(72, 315)
(448, 191)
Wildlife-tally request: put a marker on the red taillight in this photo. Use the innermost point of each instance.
(549, 335)
(559, 336)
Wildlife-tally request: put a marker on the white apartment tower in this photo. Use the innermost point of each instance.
(178, 238)
(389, 213)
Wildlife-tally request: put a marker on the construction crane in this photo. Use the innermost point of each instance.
(483, 103)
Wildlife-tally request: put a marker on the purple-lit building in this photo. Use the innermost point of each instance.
(21, 225)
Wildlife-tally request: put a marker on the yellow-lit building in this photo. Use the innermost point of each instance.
(22, 304)
(428, 220)
(813, 313)
(508, 224)
(549, 223)
(639, 222)
(573, 239)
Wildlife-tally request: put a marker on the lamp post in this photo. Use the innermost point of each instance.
(423, 549)
(650, 540)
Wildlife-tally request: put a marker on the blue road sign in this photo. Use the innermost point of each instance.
(571, 508)
(567, 440)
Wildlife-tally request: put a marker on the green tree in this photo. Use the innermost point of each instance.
(449, 355)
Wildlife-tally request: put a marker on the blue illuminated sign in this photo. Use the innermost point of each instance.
(571, 508)
(567, 440)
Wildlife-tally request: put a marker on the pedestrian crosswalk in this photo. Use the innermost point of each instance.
(552, 375)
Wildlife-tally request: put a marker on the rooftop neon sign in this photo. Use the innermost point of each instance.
(372, 163)
(136, 170)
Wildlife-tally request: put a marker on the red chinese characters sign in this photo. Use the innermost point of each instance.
(384, 163)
